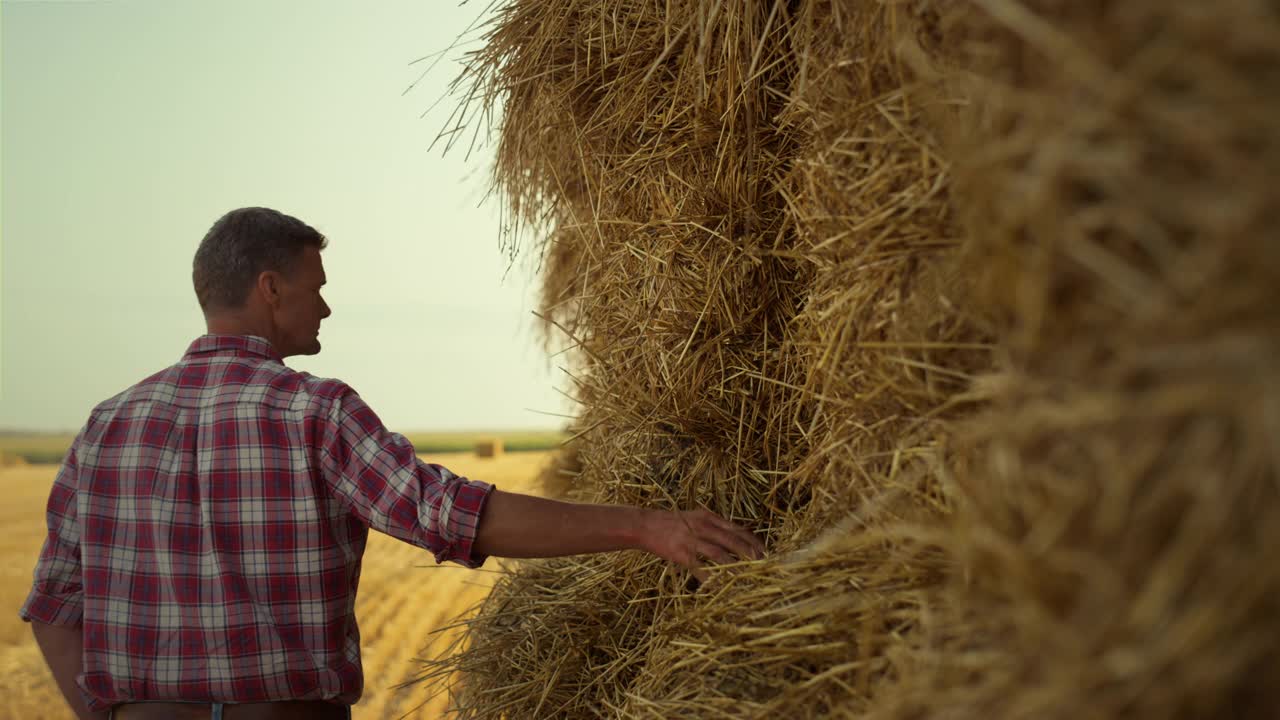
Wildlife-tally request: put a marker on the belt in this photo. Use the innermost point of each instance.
(282, 710)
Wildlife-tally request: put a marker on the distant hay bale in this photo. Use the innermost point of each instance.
(968, 307)
(489, 448)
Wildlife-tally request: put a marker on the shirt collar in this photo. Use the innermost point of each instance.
(239, 345)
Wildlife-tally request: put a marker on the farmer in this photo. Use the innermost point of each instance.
(207, 525)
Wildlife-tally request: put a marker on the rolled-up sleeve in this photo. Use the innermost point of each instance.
(57, 593)
(377, 474)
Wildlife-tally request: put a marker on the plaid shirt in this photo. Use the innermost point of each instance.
(207, 526)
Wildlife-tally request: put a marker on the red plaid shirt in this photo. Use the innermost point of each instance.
(207, 527)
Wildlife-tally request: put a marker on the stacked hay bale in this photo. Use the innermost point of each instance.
(1118, 498)
(1012, 442)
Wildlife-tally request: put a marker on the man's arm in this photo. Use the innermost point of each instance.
(55, 605)
(376, 474)
(63, 650)
(524, 526)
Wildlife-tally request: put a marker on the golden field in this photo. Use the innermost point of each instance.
(404, 595)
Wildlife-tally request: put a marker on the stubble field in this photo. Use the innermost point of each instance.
(404, 596)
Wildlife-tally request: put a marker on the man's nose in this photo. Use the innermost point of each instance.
(327, 312)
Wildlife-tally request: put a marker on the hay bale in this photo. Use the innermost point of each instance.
(701, 281)
(489, 448)
(987, 427)
(1118, 499)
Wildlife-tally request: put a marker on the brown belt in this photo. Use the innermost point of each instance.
(283, 710)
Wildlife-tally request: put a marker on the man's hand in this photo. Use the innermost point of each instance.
(688, 537)
(523, 526)
(63, 650)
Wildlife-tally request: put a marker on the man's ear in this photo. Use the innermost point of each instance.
(269, 286)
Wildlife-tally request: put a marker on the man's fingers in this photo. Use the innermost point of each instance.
(754, 549)
(712, 551)
(687, 558)
(730, 541)
(753, 542)
(705, 534)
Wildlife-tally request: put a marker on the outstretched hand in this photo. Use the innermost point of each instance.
(690, 536)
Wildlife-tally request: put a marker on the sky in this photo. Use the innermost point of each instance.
(128, 127)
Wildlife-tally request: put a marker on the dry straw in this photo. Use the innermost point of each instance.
(967, 307)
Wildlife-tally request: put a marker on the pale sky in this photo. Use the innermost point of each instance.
(128, 127)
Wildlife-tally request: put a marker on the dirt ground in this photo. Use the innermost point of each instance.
(404, 596)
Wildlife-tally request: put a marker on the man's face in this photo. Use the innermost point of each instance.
(301, 308)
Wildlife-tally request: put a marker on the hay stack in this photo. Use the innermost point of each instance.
(1117, 500)
(1012, 442)
(489, 448)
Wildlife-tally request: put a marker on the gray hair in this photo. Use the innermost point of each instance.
(240, 246)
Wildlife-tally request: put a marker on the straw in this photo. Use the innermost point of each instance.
(966, 307)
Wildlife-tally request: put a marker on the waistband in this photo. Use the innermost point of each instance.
(199, 710)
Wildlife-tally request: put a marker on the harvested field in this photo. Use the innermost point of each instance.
(967, 306)
(45, 447)
(24, 678)
(404, 597)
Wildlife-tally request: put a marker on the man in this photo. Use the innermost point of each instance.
(207, 525)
